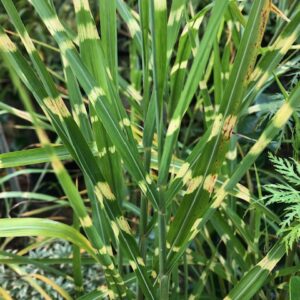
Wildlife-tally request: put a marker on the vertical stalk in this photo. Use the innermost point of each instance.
(144, 13)
(186, 274)
(159, 48)
(258, 215)
(77, 262)
(144, 19)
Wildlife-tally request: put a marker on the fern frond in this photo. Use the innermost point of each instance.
(286, 194)
(291, 236)
(280, 193)
(288, 168)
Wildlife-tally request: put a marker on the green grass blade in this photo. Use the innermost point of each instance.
(251, 283)
(270, 60)
(108, 25)
(131, 22)
(294, 291)
(43, 227)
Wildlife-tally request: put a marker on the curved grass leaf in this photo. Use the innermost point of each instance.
(294, 291)
(254, 279)
(10, 227)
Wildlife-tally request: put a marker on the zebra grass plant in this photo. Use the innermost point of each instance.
(156, 145)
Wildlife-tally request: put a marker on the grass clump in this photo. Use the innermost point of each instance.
(141, 109)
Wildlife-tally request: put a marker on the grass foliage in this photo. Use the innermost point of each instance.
(154, 117)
